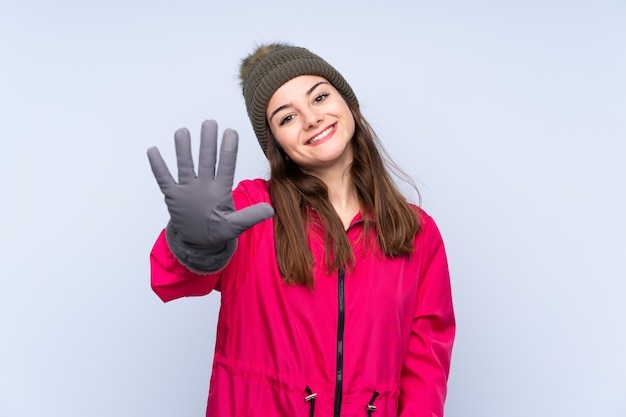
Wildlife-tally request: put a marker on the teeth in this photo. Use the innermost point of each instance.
(322, 135)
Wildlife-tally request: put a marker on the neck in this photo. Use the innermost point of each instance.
(341, 193)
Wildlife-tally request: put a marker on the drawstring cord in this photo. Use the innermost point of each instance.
(311, 400)
(371, 407)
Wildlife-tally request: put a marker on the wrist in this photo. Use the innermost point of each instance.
(199, 259)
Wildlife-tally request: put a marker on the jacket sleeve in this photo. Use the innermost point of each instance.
(171, 280)
(423, 383)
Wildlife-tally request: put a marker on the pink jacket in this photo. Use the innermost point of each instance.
(372, 341)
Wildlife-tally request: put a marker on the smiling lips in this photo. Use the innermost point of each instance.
(322, 135)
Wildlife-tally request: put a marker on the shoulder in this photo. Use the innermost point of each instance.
(428, 227)
(257, 186)
(423, 217)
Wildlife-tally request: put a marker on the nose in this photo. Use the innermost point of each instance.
(311, 119)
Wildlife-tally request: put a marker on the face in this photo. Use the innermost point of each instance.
(312, 123)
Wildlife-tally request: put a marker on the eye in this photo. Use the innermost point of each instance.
(321, 97)
(286, 119)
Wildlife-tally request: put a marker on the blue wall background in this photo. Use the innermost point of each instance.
(509, 115)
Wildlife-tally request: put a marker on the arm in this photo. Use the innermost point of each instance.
(171, 280)
(423, 384)
(204, 225)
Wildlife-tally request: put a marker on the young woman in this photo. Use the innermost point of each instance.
(335, 292)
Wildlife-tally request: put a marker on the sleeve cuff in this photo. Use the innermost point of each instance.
(196, 259)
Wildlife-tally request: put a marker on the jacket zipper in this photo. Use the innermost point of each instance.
(340, 331)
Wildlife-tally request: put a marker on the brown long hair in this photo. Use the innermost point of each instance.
(384, 208)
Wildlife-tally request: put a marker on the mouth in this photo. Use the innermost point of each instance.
(322, 134)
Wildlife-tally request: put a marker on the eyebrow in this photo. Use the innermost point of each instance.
(308, 93)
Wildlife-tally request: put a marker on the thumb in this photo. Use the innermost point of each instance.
(249, 216)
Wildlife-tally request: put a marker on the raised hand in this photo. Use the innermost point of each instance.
(201, 207)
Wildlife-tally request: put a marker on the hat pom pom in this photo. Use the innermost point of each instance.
(260, 52)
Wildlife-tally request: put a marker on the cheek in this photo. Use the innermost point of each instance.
(276, 134)
(348, 116)
(351, 124)
(283, 144)
(352, 127)
(279, 140)
(286, 136)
